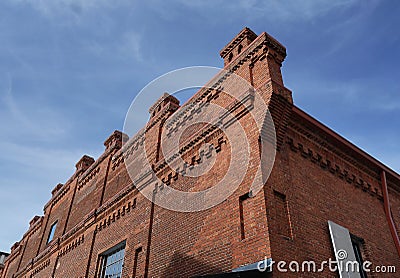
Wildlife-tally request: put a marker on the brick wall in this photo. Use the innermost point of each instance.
(316, 177)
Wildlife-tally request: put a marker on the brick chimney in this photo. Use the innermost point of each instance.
(237, 44)
(163, 108)
(35, 220)
(56, 188)
(116, 140)
(258, 59)
(165, 102)
(84, 163)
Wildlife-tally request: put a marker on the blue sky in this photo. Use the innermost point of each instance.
(69, 70)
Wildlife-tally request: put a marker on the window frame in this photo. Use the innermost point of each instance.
(52, 232)
(358, 244)
(107, 254)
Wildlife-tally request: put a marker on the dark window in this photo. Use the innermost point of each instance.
(357, 247)
(112, 262)
(52, 231)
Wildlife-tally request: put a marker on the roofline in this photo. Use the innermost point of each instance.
(344, 141)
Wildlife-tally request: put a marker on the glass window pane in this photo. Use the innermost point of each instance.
(113, 262)
(52, 231)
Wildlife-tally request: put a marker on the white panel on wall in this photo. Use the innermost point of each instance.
(344, 251)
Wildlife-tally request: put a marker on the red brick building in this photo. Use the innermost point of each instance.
(323, 195)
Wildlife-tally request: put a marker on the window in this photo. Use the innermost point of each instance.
(357, 244)
(2, 257)
(351, 246)
(112, 262)
(52, 231)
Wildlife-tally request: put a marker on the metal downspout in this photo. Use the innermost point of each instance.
(388, 213)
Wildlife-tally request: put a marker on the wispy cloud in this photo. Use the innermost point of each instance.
(58, 162)
(388, 104)
(130, 45)
(365, 94)
(38, 122)
(126, 45)
(28, 174)
(291, 10)
(67, 7)
(350, 29)
(305, 10)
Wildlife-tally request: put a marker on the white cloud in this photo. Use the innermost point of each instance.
(130, 45)
(275, 9)
(28, 174)
(125, 45)
(53, 161)
(52, 7)
(289, 10)
(388, 104)
(308, 9)
(378, 94)
(30, 119)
